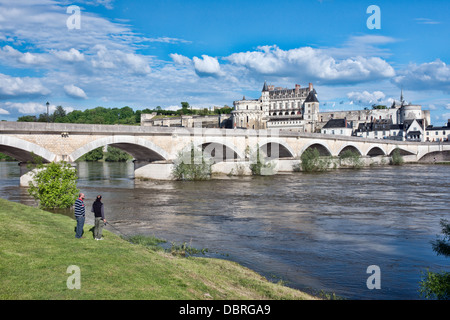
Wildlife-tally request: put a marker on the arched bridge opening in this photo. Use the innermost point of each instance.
(436, 157)
(218, 152)
(21, 155)
(274, 150)
(348, 150)
(323, 151)
(375, 152)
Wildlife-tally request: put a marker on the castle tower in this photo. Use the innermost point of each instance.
(265, 98)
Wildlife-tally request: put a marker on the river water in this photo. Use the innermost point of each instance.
(312, 231)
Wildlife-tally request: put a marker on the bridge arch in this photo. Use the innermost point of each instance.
(324, 150)
(403, 152)
(140, 149)
(436, 156)
(276, 149)
(350, 147)
(375, 151)
(219, 151)
(24, 151)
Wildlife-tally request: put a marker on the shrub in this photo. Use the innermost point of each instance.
(351, 159)
(54, 185)
(259, 166)
(312, 162)
(191, 165)
(397, 159)
(437, 285)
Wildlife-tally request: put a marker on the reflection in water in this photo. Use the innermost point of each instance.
(318, 231)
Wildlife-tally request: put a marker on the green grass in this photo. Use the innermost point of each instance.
(37, 247)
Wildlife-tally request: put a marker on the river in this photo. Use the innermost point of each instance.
(312, 231)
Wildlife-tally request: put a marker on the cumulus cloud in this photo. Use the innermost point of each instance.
(366, 98)
(75, 92)
(11, 87)
(26, 58)
(180, 59)
(207, 66)
(113, 59)
(427, 76)
(72, 55)
(312, 64)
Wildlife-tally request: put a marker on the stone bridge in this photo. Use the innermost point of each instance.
(156, 148)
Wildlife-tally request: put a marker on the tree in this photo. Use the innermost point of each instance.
(117, 155)
(436, 285)
(54, 185)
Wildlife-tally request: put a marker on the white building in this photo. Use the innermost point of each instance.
(437, 134)
(337, 127)
(293, 109)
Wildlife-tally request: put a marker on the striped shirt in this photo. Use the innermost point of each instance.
(80, 210)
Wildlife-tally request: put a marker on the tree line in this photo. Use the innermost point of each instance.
(124, 116)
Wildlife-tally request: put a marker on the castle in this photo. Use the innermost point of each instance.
(297, 109)
(282, 108)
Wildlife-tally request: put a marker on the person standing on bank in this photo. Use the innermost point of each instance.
(99, 214)
(80, 212)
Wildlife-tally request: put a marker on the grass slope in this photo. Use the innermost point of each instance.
(37, 247)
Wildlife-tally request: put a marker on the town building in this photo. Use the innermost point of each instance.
(338, 127)
(438, 134)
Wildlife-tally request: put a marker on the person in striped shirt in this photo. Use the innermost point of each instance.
(80, 211)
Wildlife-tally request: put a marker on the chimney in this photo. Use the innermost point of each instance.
(310, 86)
(297, 88)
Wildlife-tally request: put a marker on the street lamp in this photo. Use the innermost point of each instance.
(48, 117)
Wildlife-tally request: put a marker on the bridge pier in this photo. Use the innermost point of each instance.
(156, 170)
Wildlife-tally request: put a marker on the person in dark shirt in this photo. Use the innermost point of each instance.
(99, 215)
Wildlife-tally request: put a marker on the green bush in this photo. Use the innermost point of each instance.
(54, 185)
(436, 285)
(397, 159)
(259, 166)
(350, 158)
(191, 165)
(311, 161)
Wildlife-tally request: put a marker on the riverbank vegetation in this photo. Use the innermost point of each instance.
(191, 165)
(397, 159)
(436, 285)
(37, 248)
(112, 154)
(54, 185)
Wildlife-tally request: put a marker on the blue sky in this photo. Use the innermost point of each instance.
(145, 54)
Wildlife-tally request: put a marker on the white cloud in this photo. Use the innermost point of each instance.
(427, 76)
(3, 111)
(26, 58)
(29, 107)
(73, 55)
(75, 92)
(19, 87)
(114, 59)
(180, 59)
(207, 66)
(312, 64)
(366, 98)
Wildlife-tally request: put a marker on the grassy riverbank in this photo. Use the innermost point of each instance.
(37, 247)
